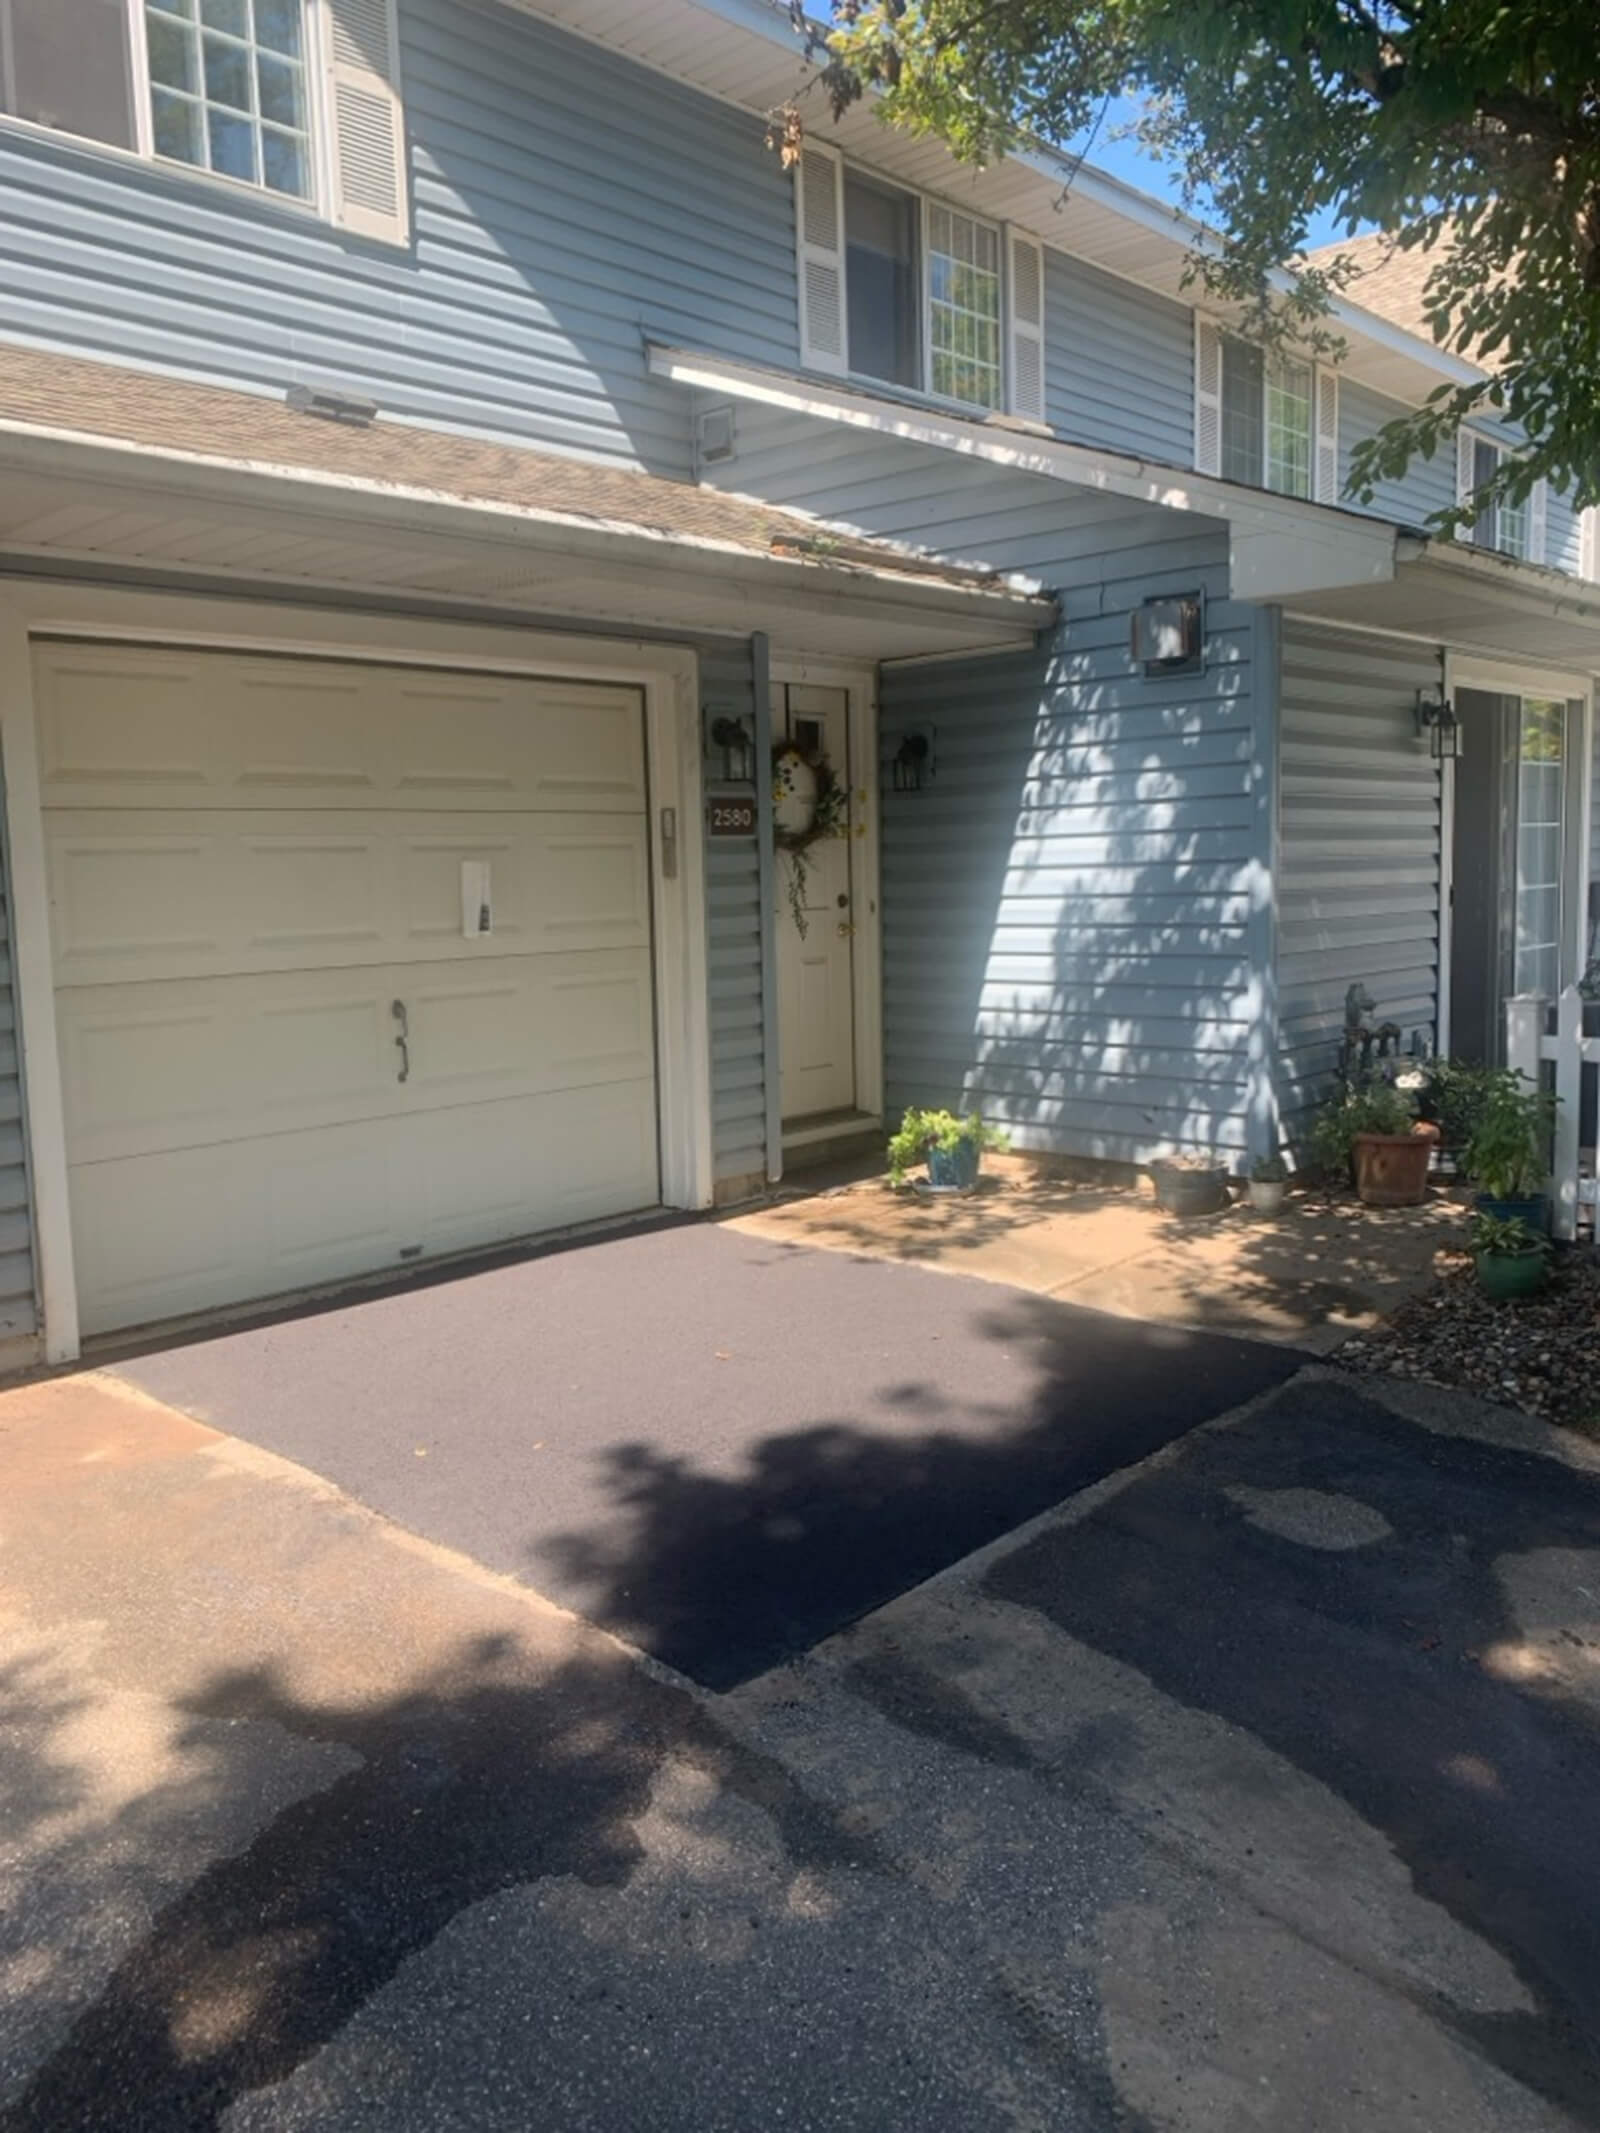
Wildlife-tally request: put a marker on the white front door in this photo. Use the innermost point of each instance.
(294, 1046)
(816, 976)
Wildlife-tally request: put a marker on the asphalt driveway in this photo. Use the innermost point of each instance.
(721, 1447)
(1252, 1791)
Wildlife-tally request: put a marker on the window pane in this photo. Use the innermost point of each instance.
(1485, 459)
(178, 131)
(278, 92)
(1512, 532)
(964, 308)
(69, 68)
(227, 73)
(1541, 843)
(278, 26)
(251, 122)
(233, 145)
(283, 163)
(881, 281)
(174, 61)
(1243, 444)
(1289, 427)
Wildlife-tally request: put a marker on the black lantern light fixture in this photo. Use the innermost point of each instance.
(914, 760)
(736, 739)
(1437, 722)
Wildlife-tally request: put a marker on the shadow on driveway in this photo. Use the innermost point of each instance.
(719, 1447)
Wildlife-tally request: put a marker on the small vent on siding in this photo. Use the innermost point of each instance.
(367, 174)
(825, 328)
(361, 35)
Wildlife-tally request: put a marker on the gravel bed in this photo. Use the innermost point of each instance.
(1542, 1355)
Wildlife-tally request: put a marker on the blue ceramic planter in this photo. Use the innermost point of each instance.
(1534, 1210)
(954, 1169)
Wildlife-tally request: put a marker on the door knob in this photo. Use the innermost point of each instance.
(845, 929)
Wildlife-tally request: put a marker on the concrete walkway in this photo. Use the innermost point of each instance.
(1247, 1792)
(1310, 1276)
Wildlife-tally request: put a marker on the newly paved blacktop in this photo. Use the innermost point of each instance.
(720, 1447)
(1252, 1788)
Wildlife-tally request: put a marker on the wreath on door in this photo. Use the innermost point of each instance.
(808, 804)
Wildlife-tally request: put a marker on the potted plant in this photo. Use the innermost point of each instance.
(1505, 1158)
(1189, 1185)
(1269, 1184)
(1374, 1135)
(951, 1147)
(1511, 1260)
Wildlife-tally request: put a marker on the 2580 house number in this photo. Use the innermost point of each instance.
(732, 817)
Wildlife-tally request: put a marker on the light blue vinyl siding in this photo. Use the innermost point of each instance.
(1119, 363)
(1427, 486)
(566, 204)
(734, 934)
(1358, 852)
(1076, 930)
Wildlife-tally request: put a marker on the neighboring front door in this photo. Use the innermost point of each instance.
(816, 977)
(1513, 859)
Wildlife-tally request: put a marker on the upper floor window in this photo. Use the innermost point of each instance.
(1514, 529)
(1266, 419)
(916, 293)
(294, 98)
(228, 89)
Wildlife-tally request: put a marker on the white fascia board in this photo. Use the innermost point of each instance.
(1279, 545)
(320, 493)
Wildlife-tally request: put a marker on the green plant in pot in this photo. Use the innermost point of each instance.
(1510, 1259)
(1373, 1136)
(1506, 1156)
(951, 1147)
(1269, 1184)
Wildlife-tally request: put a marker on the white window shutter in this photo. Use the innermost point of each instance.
(1538, 521)
(1325, 455)
(366, 121)
(1207, 396)
(1589, 544)
(1465, 441)
(819, 231)
(1025, 264)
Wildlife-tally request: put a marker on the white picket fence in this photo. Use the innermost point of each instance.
(1529, 1042)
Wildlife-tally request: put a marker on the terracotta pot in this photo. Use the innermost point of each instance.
(1392, 1168)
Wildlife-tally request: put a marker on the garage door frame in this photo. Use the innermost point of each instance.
(667, 675)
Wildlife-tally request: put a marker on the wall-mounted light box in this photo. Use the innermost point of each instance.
(1167, 635)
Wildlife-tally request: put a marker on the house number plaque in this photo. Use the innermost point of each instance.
(732, 816)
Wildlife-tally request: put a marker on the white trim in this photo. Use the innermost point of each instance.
(860, 682)
(33, 990)
(669, 680)
(1446, 934)
(1519, 677)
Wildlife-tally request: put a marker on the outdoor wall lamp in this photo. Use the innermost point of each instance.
(736, 739)
(913, 760)
(1437, 722)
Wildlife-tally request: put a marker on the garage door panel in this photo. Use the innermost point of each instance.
(147, 1067)
(156, 896)
(124, 726)
(253, 864)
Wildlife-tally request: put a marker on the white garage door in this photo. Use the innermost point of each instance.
(283, 1058)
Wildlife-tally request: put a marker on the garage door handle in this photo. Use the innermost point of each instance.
(398, 1010)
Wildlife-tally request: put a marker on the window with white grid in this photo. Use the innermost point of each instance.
(1541, 818)
(964, 309)
(228, 90)
(1288, 386)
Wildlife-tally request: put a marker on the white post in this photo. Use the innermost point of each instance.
(1525, 1033)
(1569, 1088)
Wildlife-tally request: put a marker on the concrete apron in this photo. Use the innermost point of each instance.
(309, 1823)
(1309, 1277)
